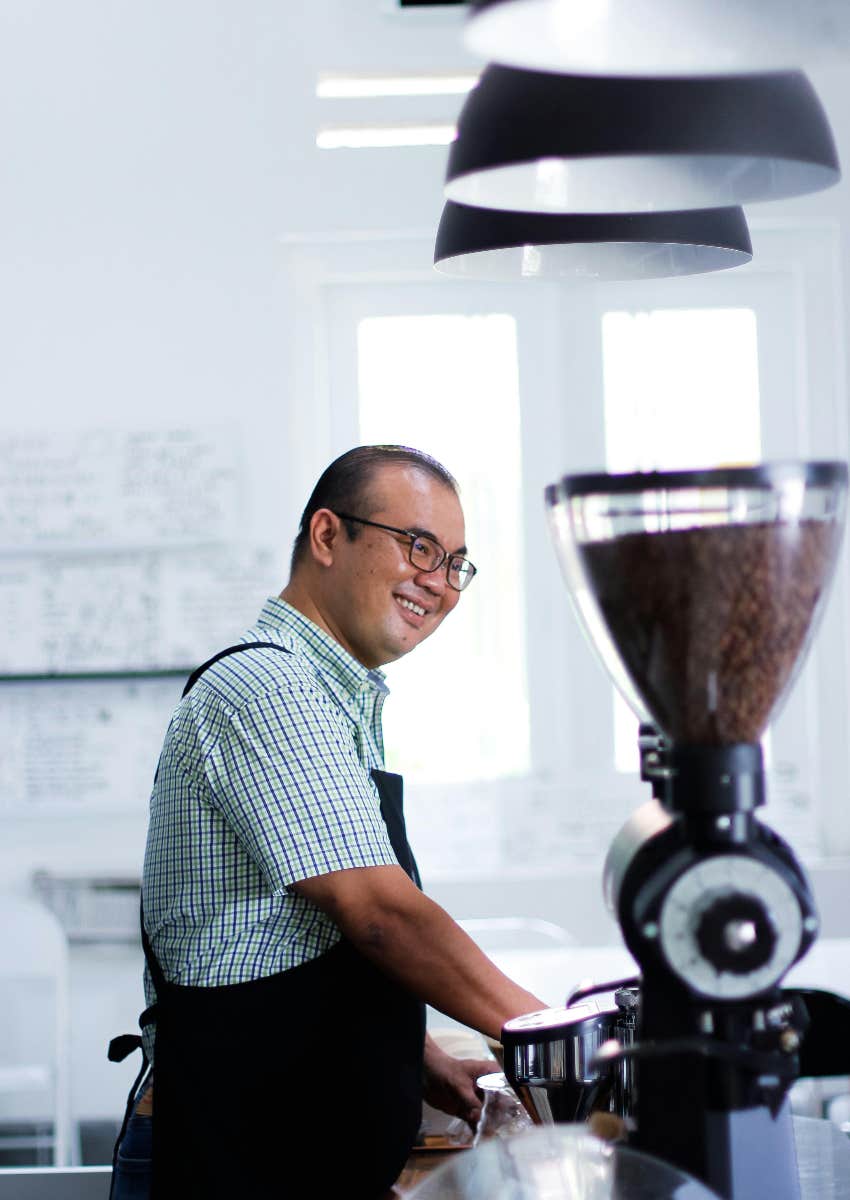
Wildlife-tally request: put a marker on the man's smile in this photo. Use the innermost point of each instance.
(414, 609)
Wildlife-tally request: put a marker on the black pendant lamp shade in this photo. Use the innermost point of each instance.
(481, 243)
(657, 37)
(536, 141)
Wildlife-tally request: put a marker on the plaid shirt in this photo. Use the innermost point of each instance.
(263, 780)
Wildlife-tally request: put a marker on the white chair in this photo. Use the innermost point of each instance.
(34, 1033)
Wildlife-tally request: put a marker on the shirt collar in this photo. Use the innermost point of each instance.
(324, 651)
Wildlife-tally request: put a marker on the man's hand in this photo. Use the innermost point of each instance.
(450, 1082)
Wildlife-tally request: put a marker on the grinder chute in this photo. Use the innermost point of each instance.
(700, 590)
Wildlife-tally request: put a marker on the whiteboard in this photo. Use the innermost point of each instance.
(93, 744)
(90, 744)
(106, 488)
(152, 610)
(120, 556)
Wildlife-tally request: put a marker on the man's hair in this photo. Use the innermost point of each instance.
(346, 486)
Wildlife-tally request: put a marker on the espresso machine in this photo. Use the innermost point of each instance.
(700, 591)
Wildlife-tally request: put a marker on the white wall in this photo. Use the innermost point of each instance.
(152, 157)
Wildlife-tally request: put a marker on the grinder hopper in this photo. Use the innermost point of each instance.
(700, 590)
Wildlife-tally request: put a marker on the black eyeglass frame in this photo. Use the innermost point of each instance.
(409, 533)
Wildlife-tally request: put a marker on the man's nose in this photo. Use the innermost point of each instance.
(433, 581)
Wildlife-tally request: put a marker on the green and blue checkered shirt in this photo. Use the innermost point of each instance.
(263, 780)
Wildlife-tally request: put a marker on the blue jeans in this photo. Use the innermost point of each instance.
(131, 1176)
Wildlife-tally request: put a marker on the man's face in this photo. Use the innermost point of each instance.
(372, 583)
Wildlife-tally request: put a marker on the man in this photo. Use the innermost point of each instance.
(290, 951)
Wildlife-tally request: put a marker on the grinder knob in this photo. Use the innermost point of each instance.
(730, 926)
(736, 934)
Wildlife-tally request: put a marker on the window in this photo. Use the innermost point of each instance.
(667, 373)
(681, 388)
(460, 402)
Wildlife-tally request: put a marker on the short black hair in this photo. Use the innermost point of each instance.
(345, 485)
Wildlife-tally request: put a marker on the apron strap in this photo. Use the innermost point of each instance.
(391, 791)
(155, 969)
(198, 672)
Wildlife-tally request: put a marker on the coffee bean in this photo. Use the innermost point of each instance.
(711, 622)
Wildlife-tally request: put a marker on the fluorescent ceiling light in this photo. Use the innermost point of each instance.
(360, 137)
(348, 87)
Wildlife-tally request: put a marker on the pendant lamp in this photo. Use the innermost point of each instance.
(635, 37)
(482, 243)
(537, 141)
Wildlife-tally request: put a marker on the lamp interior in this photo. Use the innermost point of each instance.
(592, 260)
(648, 182)
(658, 36)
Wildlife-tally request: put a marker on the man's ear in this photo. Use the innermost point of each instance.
(325, 530)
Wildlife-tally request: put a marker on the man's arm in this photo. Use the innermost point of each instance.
(386, 917)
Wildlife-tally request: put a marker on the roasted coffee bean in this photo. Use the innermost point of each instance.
(711, 622)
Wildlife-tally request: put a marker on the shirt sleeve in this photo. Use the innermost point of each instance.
(286, 776)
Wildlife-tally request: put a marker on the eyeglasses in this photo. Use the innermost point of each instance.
(426, 554)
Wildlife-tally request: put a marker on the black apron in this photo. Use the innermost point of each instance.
(313, 1074)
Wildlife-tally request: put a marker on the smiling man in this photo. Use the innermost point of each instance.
(380, 589)
(290, 949)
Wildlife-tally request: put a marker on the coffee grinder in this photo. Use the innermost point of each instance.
(700, 590)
